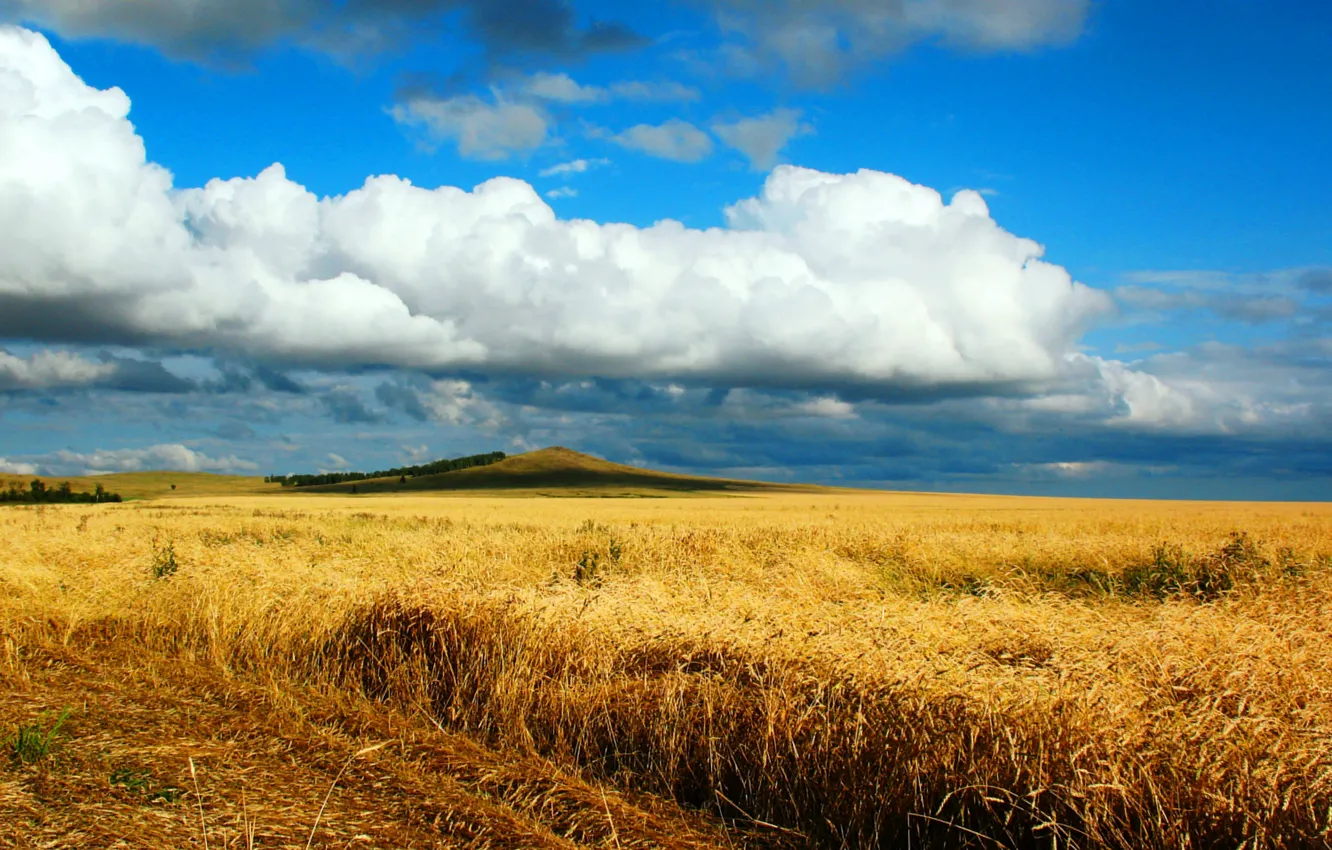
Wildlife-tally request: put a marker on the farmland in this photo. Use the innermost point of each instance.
(818, 669)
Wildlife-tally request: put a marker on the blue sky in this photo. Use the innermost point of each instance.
(1045, 246)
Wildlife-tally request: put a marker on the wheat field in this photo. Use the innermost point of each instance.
(841, 670)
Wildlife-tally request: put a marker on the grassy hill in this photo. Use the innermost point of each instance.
(155, 485)
(563, 472)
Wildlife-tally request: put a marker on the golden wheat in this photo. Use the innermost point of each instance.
(862, 670)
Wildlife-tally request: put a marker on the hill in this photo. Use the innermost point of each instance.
(154, 485)
(563, 472)
(554, 471)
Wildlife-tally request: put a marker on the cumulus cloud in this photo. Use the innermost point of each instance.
(450, 401)
(817, 41)
(481, 129)
(174, 457)
(11, 467)
(858, 279)
(516, 117)
(1215, 389)
(761, 138)
(49, 369)
(676, 139)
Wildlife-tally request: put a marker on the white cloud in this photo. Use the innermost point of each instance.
(1007, 25)
(1211, 389)
(481, 129)
(48, 369)
(826, 407)
(655, 92)
(1145, 399)
(675, 139)
(514, 119)
(861, 278)
(561, 88)
(1100, 470)
(577, 166)
(457, 403)
(173, 457)
(13, 467)
(761, 138)
(562, 192)
(416, 454)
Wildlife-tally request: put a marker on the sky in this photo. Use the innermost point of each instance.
(1062, 247)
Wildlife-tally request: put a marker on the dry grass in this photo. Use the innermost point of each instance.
(863, 670)
(154, 485)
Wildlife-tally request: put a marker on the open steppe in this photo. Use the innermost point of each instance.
(775, 669)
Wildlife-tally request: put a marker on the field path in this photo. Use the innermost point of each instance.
(265, 757)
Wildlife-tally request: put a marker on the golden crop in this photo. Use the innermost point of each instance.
(863, 670)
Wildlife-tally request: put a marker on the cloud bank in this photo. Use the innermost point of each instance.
(836, 279)
(171, 456)
(50, 369)
(208, 28)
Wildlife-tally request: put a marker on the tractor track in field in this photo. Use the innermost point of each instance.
(265, 756)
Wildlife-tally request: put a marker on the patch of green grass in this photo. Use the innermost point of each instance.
(30, 744)
(131, 779)
(138, 781)
(165, 564)
(1174, 571)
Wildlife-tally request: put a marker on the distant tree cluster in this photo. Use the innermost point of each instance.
(402, 473)
(39, 493)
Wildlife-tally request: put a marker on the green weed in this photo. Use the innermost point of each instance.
(137, 781)
(30, 744)
(165, 564)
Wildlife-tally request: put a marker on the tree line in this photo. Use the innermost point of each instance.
(62, 494)
(401, 472)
